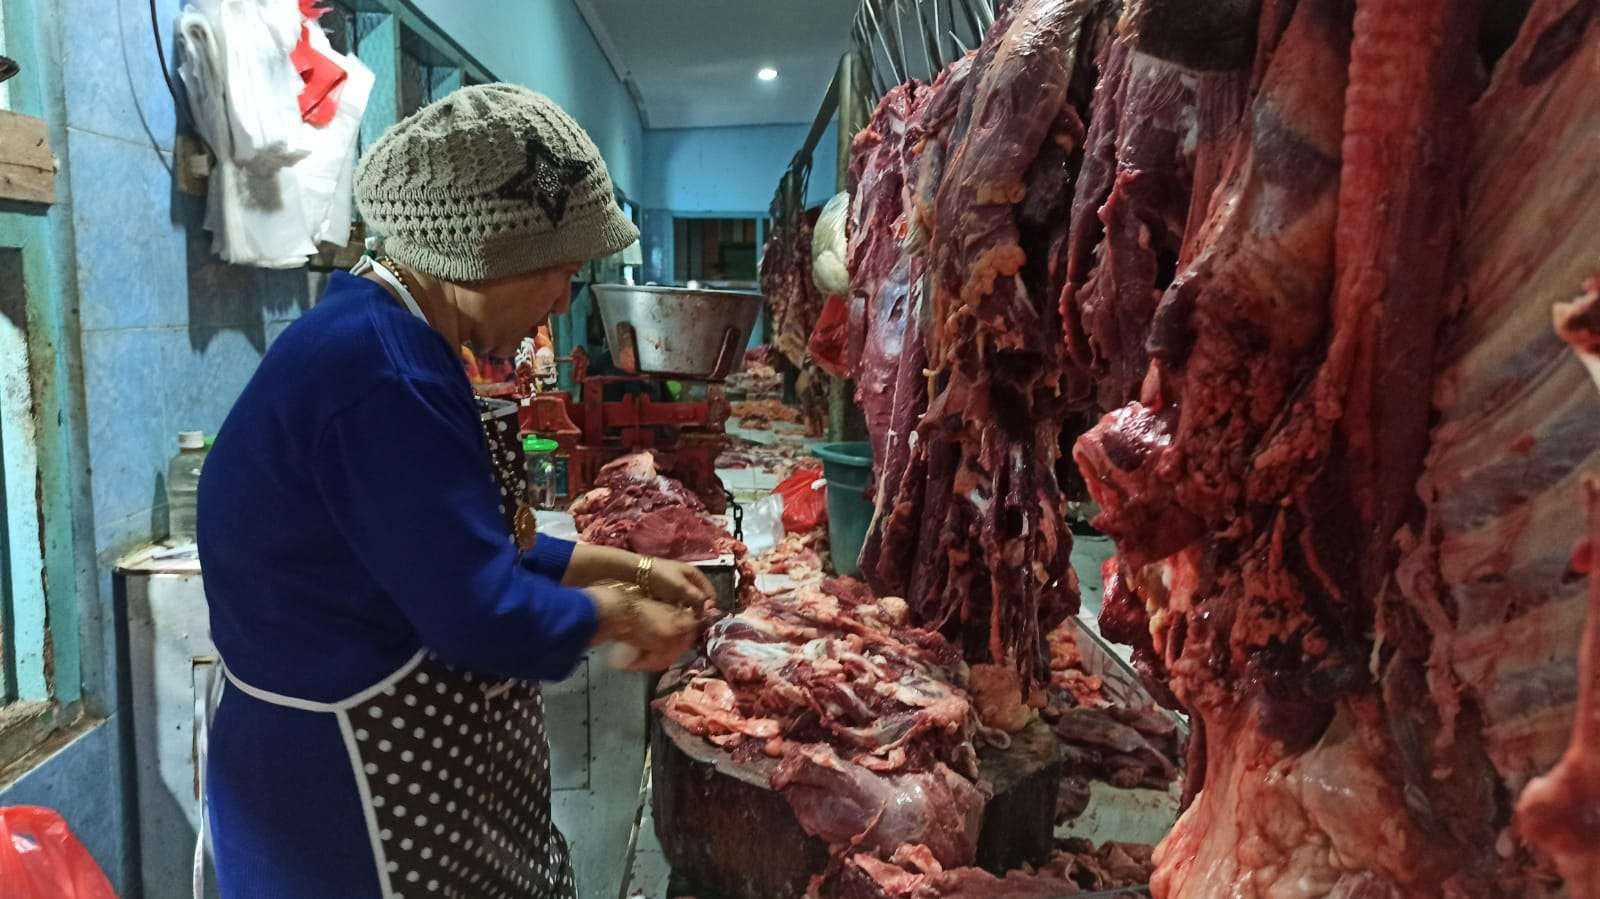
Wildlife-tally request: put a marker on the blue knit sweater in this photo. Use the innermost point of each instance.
(348, 517)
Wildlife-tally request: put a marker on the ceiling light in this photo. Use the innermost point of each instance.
(767, 73)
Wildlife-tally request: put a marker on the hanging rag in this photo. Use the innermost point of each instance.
(269, 205)
(254, 215)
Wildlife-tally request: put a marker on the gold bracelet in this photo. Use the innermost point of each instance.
(632, 611)
(641, 575)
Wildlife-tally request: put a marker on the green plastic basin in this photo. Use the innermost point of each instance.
(847, 467)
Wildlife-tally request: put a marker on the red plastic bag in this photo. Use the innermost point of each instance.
(805, 506)
(41, 859)
(829, 344)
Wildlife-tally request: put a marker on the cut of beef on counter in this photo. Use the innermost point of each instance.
(1075, 867)
(845, 670)
(1067, 672)
(847, 805)
(758, 414)
(633, 506)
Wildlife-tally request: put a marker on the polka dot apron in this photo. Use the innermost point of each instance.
(453, 768)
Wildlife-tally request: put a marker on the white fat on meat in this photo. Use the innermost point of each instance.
(1270, 826)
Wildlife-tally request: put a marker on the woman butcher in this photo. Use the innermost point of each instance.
(383, 615)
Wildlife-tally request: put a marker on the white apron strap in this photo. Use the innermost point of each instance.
(368, 264)
(207, 681)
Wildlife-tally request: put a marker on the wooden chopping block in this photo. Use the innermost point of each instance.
(729, 835)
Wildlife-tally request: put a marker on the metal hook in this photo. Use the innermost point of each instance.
(878, 28)
(974, 19)
(929, 52)
(899, 39)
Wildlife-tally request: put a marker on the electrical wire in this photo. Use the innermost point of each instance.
(178, 105)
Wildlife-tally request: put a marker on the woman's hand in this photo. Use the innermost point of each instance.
(661, 633)
(680, 584)
(671, 582)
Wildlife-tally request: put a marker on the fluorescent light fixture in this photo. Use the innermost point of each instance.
(767, 73)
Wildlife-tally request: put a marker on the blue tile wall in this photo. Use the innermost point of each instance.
(84, 783)
(128, 443)
(114, 85)
(130, 252)
(204, 381)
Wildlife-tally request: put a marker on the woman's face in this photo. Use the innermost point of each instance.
(503, 311)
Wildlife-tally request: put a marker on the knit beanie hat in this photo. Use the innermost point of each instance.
(493, 180)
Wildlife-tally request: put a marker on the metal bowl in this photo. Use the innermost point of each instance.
(675, 332)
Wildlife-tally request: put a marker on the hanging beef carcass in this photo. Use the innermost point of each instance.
(1271, 281)
(793, 299)
(1558, 812)
(973, 532)
(1494, 580)
(1257, 488)
(898, 490)
(880, 301)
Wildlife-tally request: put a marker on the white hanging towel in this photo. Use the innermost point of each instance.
(255, 216)
(263, 85)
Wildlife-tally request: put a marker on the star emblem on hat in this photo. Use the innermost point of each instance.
(545, 180)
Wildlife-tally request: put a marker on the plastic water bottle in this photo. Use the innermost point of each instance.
(183, 486)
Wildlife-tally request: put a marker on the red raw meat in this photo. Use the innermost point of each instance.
(633, 506)
(851, 674)
(1128, 215)
(786, 280)
(898, 486)
(975, 531)
(845, 804)
(1487, 579)
(677, 533)
(911, 873)
(879, 274)
(827, 345)
(1558, 812)
(1337, 445)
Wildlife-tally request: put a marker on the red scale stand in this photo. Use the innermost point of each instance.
(686, 437)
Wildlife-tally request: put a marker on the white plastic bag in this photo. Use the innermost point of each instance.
(254, 218)
(829, 247)
(263, 87)
(326, 175)
(763, 524)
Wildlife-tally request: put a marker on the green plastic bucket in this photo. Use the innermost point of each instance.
(847, 467)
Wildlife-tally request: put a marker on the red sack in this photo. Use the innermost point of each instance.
(804, 508)
(41, 859)
(829, 344)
